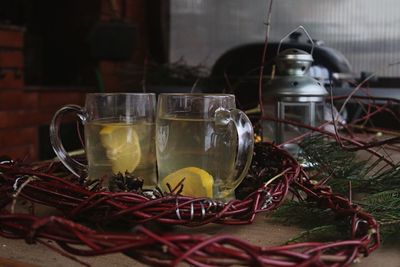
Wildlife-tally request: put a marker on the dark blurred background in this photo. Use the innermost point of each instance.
(53, 52)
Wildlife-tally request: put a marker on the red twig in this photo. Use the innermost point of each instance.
(264, 54)
(357, 144)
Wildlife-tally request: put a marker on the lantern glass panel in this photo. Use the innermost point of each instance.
(297, 112)
(319, 113)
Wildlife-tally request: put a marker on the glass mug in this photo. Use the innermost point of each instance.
(119, 136)
(204, 144)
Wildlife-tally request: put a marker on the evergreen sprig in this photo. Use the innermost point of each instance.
(374, 186)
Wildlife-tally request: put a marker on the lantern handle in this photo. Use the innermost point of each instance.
(295, 30)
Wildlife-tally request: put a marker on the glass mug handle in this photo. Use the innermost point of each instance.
(245, 134)
(71, 164)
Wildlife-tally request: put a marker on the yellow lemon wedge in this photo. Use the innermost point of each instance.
(122, 147)
(196, 182)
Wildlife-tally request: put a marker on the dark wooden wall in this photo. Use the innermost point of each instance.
(27, 108)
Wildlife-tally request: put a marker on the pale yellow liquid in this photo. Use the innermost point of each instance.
(99, 163)
(190, 142)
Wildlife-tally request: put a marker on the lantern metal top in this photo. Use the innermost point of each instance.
(296, 89)
(293, 62)
(295, 54)
(293, 84)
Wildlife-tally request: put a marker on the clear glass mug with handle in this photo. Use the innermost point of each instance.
(119, 133)
(203, 143)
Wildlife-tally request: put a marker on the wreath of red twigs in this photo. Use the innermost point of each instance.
(39, 184)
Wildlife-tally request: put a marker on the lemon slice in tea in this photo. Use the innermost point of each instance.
(196, 182)
(122, 147)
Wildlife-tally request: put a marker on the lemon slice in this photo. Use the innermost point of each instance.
(122, 147)
(196, 183)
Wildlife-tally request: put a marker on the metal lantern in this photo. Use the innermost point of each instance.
(293, 96)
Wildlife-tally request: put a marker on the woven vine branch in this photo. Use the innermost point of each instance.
(75, 201)
(148, 247)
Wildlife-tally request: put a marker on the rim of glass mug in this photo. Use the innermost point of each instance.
(199, 94)
(227, 101)
(120, 93)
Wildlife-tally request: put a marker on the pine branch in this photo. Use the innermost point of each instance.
(375, 189)
(385, 207)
